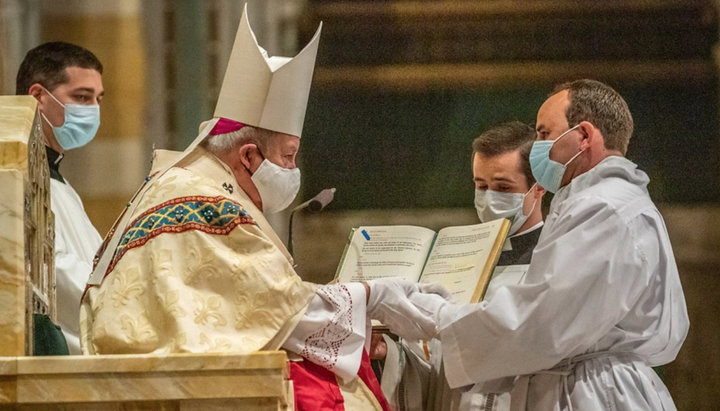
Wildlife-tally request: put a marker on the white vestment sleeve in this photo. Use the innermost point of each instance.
(581, 284)
(333, 331)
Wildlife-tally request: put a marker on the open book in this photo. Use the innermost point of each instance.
(459, 258)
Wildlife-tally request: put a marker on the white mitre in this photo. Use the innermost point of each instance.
(261, 91)
(266, 92)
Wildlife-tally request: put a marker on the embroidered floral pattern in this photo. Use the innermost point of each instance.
(323, 346)
(171, 303)
(202, 267)
(162, 259)
(219, 344)
(136, 330)
(208, 311)
(126, 286)
(251, 308)
(212, 215)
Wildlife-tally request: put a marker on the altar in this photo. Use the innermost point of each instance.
(146, 382)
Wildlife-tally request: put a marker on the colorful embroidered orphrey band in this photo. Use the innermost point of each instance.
(212, 215)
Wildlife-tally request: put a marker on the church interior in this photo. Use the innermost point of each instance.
(400, 90)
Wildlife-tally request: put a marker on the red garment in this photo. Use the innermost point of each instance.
(367, 375)
(316, 387)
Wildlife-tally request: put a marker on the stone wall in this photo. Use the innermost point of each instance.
(694, 377)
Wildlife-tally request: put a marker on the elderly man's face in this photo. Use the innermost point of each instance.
(282, 150)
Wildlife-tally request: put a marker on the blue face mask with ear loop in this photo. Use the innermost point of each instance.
(81, 123)
(547, 172)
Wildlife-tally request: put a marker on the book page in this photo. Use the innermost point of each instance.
(461, 255)
(385, 251)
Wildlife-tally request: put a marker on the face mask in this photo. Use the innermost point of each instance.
(548, 173)
(81, 123)
(277, 186)
(491, 205)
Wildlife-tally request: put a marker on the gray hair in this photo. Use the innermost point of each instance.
(222, 143)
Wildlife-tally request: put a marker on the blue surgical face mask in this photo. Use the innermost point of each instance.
(491, 205)
(548, 173)
(81, 123)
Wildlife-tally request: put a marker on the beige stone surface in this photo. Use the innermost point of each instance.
(250, 404)
(26, 225)
(12, 261)
(16, 116)
(176, 381)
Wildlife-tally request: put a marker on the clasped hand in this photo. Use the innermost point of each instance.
(408, 309)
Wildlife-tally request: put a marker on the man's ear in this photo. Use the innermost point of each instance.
(36, 91)
(538, 191)
(589, 133)
(250, 156)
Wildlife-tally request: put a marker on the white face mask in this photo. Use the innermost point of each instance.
(491, 205)
(277, 186)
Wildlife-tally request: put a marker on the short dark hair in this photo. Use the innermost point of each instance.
(601, 105)
(507, 137)
(46, 64)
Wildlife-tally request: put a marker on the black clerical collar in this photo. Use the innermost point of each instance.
(54, 159)
(522, 247)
